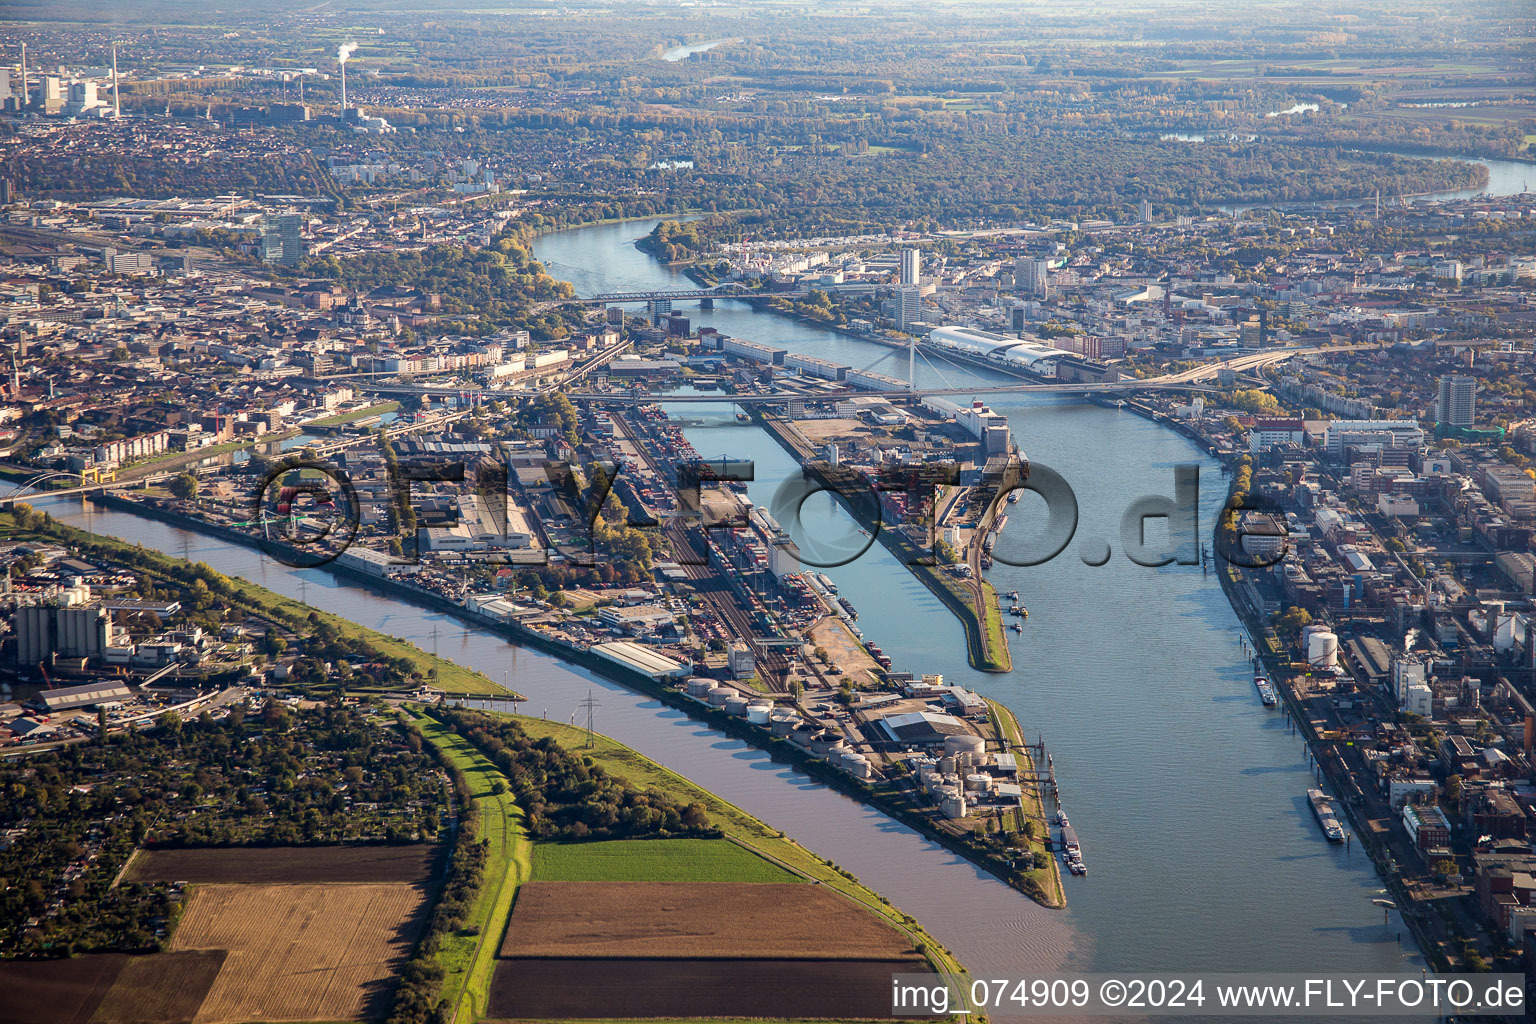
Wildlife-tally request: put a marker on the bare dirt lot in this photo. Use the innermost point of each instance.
(264, 865)
(302, 952)
(599, 989)
(722, 920)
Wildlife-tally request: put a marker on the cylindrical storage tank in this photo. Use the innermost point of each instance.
(757, 714)
(698, 686)
(947, 765)
(947, 793)
(824, 741)
(978, 782)
(857, 765)
(964, 743)
(802, 734)
(783, 725)
(718, 695)
(953, 807)
(737, 706)
(1323, 649)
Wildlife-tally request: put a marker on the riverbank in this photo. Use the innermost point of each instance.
(977, 609)
(884, 797)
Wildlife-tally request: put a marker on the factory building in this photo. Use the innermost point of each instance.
(69, 698)
(61, 623)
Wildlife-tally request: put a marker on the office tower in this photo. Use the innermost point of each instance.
(282, 239)
(911, 266)
(1018, 317)
(908, 307)
(1032, 277)
(1457, 404)
(51, 94)
(117, 102)
(7, 192)
(659, 310)
(1146, 212)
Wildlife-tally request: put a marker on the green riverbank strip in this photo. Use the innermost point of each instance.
(468, 955)
(174, 572)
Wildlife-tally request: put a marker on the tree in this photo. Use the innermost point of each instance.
(1292, 620)
(184, 486)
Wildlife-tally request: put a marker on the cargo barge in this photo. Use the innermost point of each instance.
(1322, 809)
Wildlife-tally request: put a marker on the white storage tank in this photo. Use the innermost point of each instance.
(1323, 649)
(758, 714)
(736, 706)
(964, 743)
(953, 807)
(718, 695)
(947, 765)
(699, 686)
(978, 783)
(857, 765)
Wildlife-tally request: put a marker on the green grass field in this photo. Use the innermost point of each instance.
(654, 860)
(469, 956)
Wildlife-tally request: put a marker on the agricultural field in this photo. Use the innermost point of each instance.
(107, 988)
(794, 989)
(730, 920)
(274, 865)
(57, 991)
(302, 952)
(655, 860)
(165, 988)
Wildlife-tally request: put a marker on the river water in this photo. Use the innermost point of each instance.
(1187, 793)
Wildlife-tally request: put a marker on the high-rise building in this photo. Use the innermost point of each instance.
(659, 310)
(908, 307)
(1457, 404)
(282, 239)
(1146, 211)
(911, 266)
(1032, 277)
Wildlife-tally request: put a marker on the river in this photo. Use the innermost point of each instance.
(1188, 795)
